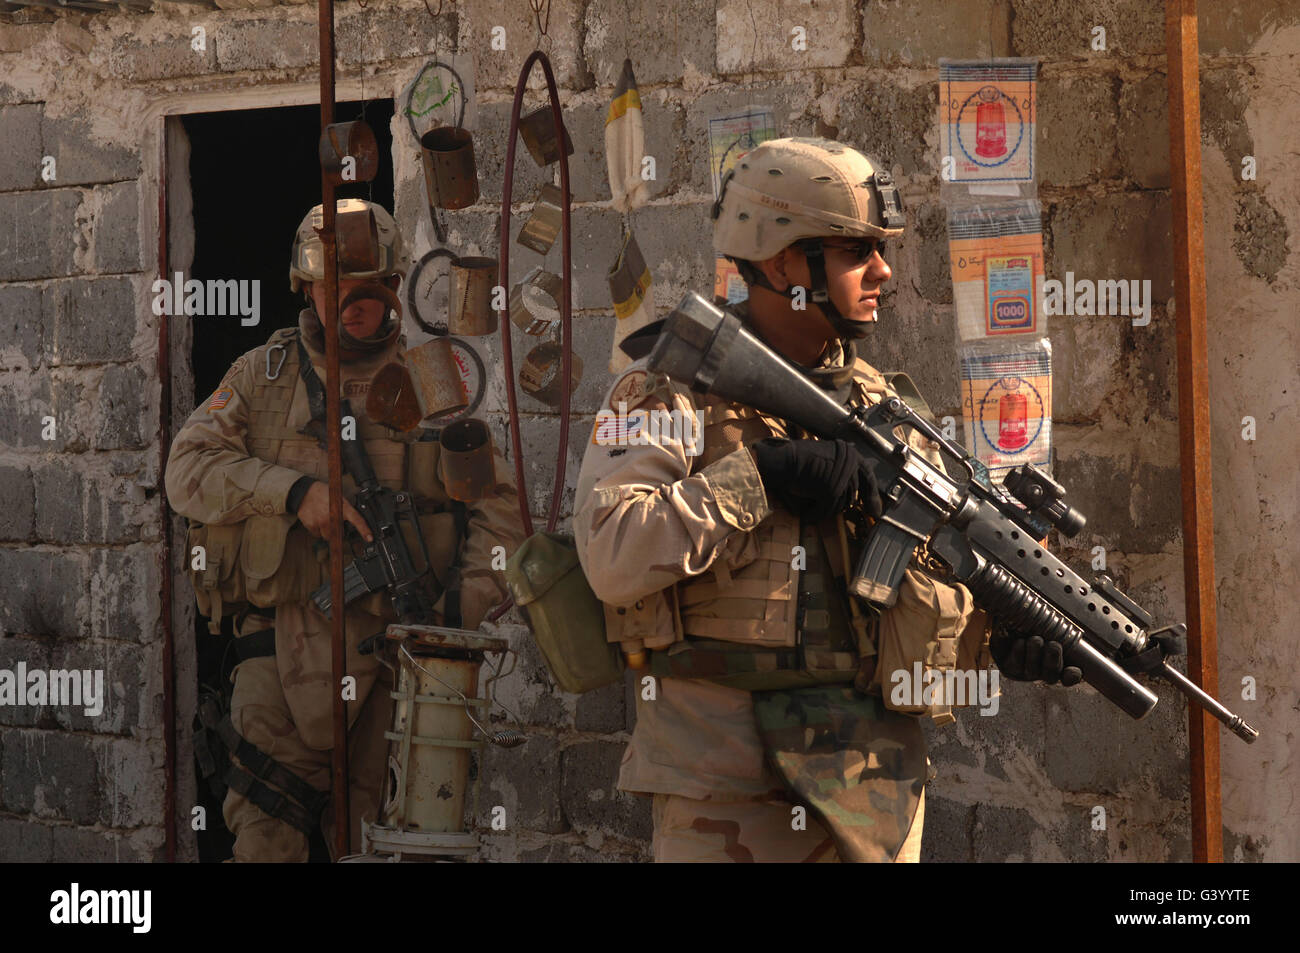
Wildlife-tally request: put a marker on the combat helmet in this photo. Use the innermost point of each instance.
(798, 191)
(308, 259)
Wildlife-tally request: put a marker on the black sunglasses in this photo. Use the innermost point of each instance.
(860, 248)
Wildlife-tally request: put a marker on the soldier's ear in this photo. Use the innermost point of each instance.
(776, 269)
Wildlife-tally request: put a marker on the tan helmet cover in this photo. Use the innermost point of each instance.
(787, 189)
(308, 262)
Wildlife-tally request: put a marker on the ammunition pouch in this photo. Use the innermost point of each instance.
(219, 586)
(568, 621)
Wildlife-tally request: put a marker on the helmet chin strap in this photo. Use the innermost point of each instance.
(820, 295)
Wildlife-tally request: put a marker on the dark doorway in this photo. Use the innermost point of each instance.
(253, 176)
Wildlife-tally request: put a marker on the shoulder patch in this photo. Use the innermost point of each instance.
(630, 390)
(220, 398)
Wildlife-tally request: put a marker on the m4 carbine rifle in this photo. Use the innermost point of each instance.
(384, 563)
(985, 539)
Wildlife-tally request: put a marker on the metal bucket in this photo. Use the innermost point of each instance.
(543, 224)
(467, 460)
(427, 383)
(537, 129)
(539, 377)
(469, 301)
(357, 236)
(450, 174)
(349, 140)
(430, 742)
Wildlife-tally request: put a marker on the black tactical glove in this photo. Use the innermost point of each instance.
(814, 479)
(1031, 659)
(1161, 644)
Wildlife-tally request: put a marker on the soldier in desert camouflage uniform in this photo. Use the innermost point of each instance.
(252, 482)
(727, 561)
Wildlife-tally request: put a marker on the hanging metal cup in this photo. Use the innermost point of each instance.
(450, 175)
(538, 132)
(428, 383)
(539, 377)
(469, 301)
(543, 224)
(529, 307)
(349, 140)
(357, 236)
(467, 460)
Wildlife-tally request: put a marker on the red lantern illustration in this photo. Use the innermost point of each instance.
(1013, 421)
(990, 127)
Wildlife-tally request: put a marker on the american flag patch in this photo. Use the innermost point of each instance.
(613, 430)
(220, 398)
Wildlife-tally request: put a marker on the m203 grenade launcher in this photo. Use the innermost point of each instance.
(985, 536)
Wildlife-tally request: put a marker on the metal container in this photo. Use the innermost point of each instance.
(450, 174)
(467, 459)
(349, 140)
(543, 224)
(539, 377)
(357, 236)
(537, 129)
(469, 301)
(430, 742)
(535, 302)
(439, 387)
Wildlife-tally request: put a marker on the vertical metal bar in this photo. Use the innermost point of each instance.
(329, 321)
(164, 445)
(1194, 419)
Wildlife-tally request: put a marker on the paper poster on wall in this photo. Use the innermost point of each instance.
(987, 120)
(996, 256)
(730, 137)
(1006, 396)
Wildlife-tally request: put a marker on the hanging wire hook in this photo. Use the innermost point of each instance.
(431, 13)
(505, 738)
(537, 7)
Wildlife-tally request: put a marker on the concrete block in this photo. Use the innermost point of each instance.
(22, 328)
(1112, 237)
(18, 517)
(20, 147)
(491, 142)
(529, 691)
(791, 103)
(1064, 31)
(34, 654)
(55, 775)
(920, 342)
(91, 320)
(526, 782)
(82, 159)
(930, 229)
(1001, 835)
(919, 34)
(131, 687)
(120, 584)
(120, 409)
(1092, 746)
(25, 842)
(685, 36)
(589, 794)
(749, 43)
(44, 237)
(1087, 365)
(1247, 27)
(129, 783)
(603, 710)
(1144, 121)
(265, 44)
(60, 504)
(136, 61)
(540, 436)
(80, 846)
(116, 228)
(677, 242)
(945, 836)
(888, 122)
(40, 592)
(399, 33)
(1077, 120)
(499, 69)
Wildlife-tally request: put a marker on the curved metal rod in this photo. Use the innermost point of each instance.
(566, 305)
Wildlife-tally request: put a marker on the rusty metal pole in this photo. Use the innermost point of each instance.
(329, 320)
(164, 445)
(1194, 419)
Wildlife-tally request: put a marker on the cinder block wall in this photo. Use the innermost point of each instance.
(80, 558)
